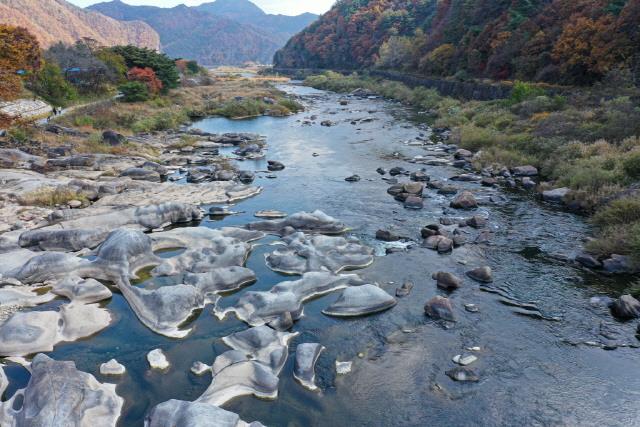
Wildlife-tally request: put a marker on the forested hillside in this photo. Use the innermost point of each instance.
(558, 41)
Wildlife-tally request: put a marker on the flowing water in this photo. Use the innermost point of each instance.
(533, 371)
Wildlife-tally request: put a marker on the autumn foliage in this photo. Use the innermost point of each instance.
(147, 76)
(19, 56)
(557, 41)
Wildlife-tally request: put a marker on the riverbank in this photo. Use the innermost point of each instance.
(584, 144)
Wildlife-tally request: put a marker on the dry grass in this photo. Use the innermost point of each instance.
(50, 197)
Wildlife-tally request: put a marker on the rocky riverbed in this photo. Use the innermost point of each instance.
(245, 274)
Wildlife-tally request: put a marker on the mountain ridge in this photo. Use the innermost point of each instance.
(216, 33)
(53, 21)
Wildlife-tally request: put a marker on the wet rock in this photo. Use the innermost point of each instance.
(251, 368)
(556, 195)
(326, 123)
(439, 243)
(466, 177)
(405, 289)
(304, 253)
(471, 308)
(282, 323)
(462, 374)
(352, 178)
(489, 182)
(464, 359)
(413, 188)
(360, 301)
(164, 309)
(199, 368)
(113, 138)
(246, 177)
(219, 280)
(464, 200)
(619, 264)
(447, 281)
(395, 190)
(459, 240)
(274, 165)
(413, 202)
(260, 308)
(60, 395)
(112, 367)
(343, 368)
(85, 291)
(397, 171)
(588, 260)
(178, 413)
(527, 170)
(528, 183)
(271, 214)
(315, 222)
(439, 308)
(307, 355)
(476, 221)
(447, 190)
(381, 171)
(31, 332)
(387, 236)
(419, 176)
(157, 359)
(625, 308)
(481, 274)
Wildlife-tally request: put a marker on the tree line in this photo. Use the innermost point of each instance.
(64, 73)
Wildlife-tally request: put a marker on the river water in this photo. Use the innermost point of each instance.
(533, 371)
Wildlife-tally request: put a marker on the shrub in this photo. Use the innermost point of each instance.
(620, 211)
(19, 134)
(134, 92)
(631, 165)
(522, 91)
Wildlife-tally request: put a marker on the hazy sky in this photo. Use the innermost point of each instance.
(286, 7)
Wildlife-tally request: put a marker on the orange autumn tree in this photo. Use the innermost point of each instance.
(19, 56)
(147, 76)
(589, 48)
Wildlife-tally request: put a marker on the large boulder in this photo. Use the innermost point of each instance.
(360, 301)
(464, 200)
(59, 395)
(447, 281)
(556, 195)
(439, 308)
(113, 138)
(527, 170)
(625, 308)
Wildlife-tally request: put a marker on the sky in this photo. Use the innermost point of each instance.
(285, 7)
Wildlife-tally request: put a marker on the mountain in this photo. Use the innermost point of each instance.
(557, 41)
(246, 12)
(52, 21)
(229, 32)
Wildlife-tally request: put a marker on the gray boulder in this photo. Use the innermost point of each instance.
(58, 395)
(464, 200)
(360, 301)
(307, 355)
(439, 308)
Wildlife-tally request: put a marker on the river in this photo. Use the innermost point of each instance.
(532, 371)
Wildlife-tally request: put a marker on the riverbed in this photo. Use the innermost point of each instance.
(550, 369)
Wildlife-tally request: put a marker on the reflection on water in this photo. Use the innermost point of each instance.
(530, 374)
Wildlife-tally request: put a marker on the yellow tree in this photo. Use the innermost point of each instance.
(19, 56)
